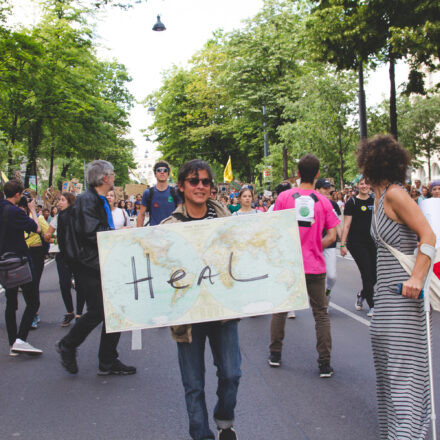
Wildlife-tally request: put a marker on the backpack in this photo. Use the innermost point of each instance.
(67, 237)
(305, 208)
(173, 193)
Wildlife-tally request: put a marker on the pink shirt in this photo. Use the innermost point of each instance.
(311, 237)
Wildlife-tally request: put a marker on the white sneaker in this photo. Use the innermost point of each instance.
(24, 347)
(13, 353)
(371, 312)
(291, 315)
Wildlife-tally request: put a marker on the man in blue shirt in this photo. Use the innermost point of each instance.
(161, 200)
(13, 227)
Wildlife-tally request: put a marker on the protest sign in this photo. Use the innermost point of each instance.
(119, 193)
(198, 271)
(133, 189)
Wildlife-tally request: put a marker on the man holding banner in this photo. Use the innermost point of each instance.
(195, 182)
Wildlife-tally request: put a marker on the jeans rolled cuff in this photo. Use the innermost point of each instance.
(224, 424)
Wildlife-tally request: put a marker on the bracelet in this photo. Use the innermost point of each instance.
(342, 245)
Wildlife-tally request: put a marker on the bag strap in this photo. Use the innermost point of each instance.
(150, 199)
(174, 195)
(3, 233)
(397, 254)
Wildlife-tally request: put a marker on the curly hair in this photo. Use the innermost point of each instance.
(382, 158)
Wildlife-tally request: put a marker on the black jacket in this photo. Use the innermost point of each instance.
(90, 218)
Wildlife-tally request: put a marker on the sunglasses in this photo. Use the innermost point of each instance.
(194, 181)
(162, 170)
(213, 192)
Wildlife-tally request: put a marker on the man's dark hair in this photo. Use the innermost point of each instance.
(308, 167)
(193, 166)
(13, 187)
(382, 158)
(283, 186)
(161, 163)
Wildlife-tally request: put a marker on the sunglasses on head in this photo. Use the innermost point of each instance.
(162, 170)
(194, 181)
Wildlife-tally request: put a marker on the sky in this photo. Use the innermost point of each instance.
(128, 37)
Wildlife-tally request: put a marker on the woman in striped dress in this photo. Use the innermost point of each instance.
(398, 328)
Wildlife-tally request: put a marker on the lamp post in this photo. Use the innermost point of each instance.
(267, 172)
(159, 26)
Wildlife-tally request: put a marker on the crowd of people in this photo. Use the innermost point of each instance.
(378, 212)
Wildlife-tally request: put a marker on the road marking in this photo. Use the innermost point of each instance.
(347, 257)
(46, 263)
(350, 314)
(136, 339)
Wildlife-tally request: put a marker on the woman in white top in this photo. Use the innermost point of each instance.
(120, 217)
(245, 198)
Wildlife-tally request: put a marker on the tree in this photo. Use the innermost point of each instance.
(323, 116)
(420, 127)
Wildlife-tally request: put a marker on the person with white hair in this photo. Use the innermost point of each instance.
(92, 214)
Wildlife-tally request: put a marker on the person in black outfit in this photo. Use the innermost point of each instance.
(92, 214)
(13, 223)
(357, 239)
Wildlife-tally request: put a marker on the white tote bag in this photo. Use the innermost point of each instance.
(408, 261)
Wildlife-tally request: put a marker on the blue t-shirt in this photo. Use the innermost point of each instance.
(108, 211)
(162, 204)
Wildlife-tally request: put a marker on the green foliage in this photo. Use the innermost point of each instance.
(324, 113)
(58, 99)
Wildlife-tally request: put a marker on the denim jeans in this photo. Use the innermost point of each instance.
(223, 339)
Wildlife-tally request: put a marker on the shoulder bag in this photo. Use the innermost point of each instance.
(14, 269)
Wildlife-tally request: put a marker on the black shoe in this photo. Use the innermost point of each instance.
(227, 434)
(117, 368)
(275, 359)
(68, 357)
(67, 318)
(325, 370)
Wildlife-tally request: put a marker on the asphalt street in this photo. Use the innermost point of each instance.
(39, 400)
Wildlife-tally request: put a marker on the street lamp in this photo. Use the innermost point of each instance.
(159, 26)
(151, 108)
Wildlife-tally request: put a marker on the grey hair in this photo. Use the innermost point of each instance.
(96, 170)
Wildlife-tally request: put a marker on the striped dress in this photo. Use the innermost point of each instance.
(398, 336)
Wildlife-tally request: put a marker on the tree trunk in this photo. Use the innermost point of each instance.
(285, 164)
(341, 163)
(428, 157)
(393, 105)
(362, 104)
(52, 153)
(34, 141)
(11, 145)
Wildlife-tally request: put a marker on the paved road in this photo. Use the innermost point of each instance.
(39, 400)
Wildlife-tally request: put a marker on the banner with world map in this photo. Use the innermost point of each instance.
(204, 270)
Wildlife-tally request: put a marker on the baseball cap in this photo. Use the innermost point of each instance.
(322, 183)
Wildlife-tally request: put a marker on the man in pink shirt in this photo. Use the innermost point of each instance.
(314, 213)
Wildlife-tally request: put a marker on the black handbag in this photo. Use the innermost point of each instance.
(14, 269)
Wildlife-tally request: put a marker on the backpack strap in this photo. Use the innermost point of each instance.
(150, 199)
(179, 216)
(174, 195)
(3, 232)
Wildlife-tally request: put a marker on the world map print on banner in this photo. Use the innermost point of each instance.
(198, 271)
